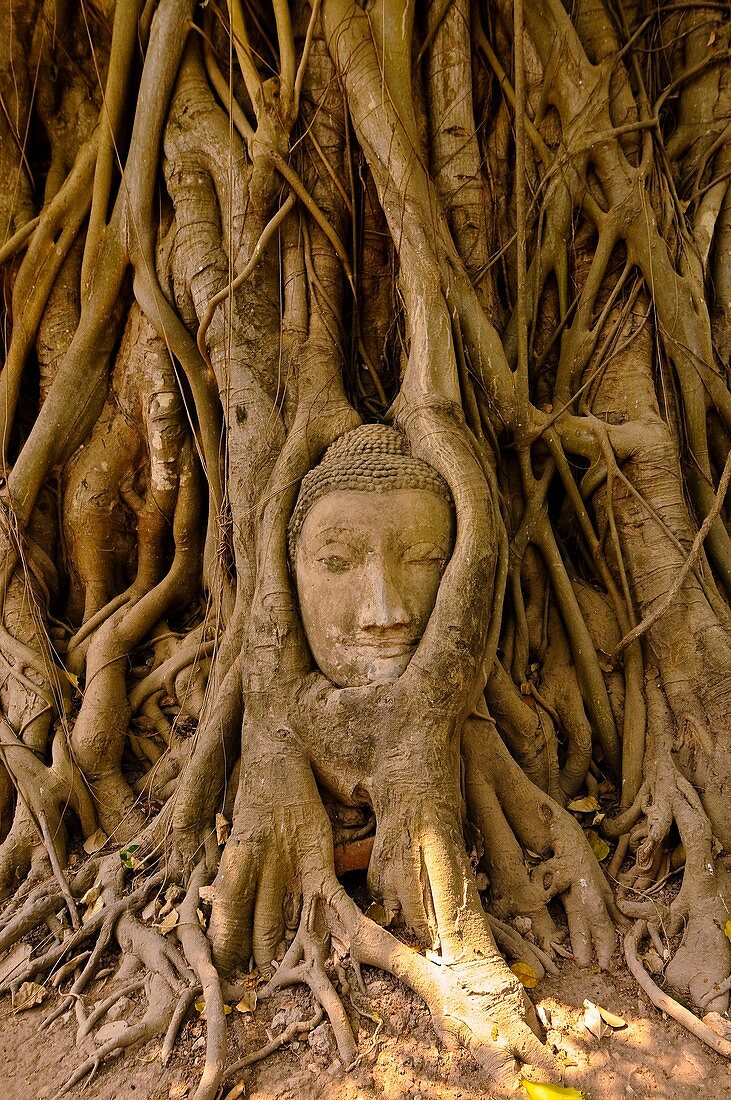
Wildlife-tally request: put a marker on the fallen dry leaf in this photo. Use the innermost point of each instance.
(91, 894)
(585, 805)
(150, 909)
(610, 1018)
(599, 847)
(96, 907)
(200, 1007)
(28, 996)
(94, 842)
(377, 914)
(178, 1090)
(235, 1092)
(168, 923)
(593, 1022)
(247, 1002)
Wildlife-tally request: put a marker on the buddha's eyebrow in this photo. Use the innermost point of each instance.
(338, 532)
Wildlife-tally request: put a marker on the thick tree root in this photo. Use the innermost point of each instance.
(476, 1002)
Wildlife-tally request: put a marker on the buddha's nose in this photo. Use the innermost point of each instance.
(383, 606)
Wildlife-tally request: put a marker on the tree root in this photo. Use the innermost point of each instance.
(101, 1009)
(182, 1008)
(291, 1032)
(702, 962)
(476, 1002)
(155, 1021)
(198, 953)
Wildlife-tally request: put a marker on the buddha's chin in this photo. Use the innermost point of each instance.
(369, 667)
(384, 669)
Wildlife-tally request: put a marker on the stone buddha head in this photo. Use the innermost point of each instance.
(369, 539)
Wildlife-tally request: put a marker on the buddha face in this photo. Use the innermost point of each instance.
(368, 567)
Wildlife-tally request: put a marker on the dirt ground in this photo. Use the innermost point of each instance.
(650, 1057)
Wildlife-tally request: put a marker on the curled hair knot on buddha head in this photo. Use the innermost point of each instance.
(373, 458)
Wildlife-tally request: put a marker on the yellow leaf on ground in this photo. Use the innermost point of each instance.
(235, 1092)
(247, 1002)
(727, 929)
(539, 1091)
(610, 1018)
(200, 1007)
(525, 974)
(28, 996)
(599, 847)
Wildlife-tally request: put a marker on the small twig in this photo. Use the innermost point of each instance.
(58, 873)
